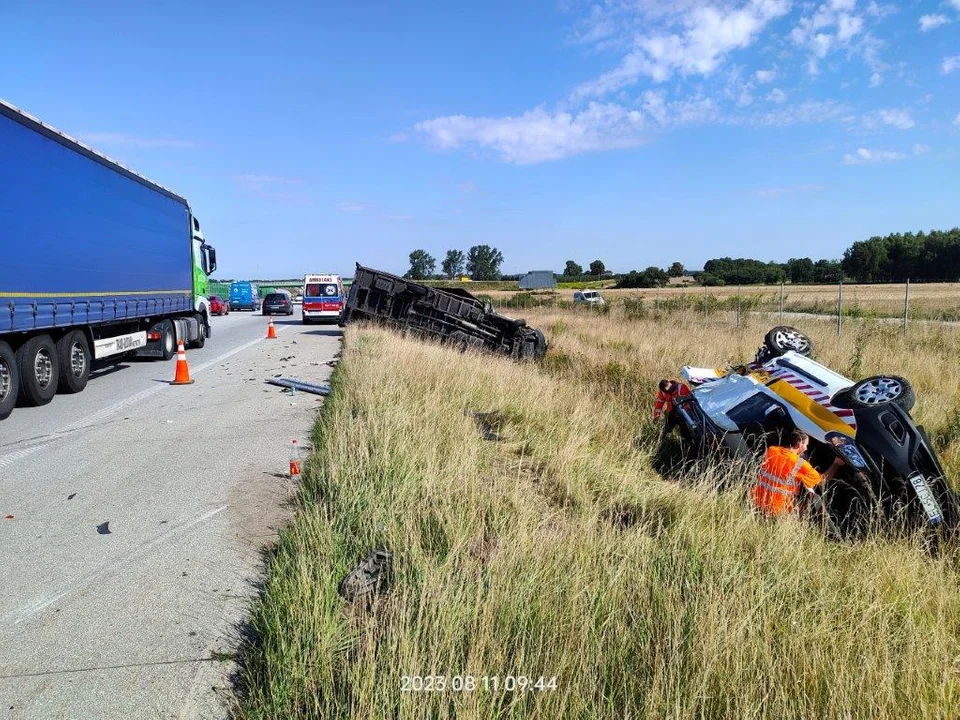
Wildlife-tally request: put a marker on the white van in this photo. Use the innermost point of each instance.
(588, 297)
(323, 298)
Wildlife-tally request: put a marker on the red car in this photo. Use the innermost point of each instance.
(219, 306)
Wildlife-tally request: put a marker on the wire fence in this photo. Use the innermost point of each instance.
(902, 303)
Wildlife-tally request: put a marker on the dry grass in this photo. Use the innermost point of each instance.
(560, 552)
(932, 301)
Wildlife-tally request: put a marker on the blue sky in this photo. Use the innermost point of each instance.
(312, 135)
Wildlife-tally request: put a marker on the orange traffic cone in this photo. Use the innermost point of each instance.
(183, 372)
(271, 332)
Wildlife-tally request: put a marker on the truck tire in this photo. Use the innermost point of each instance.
(39, 370)
(201, 333)
(9, 380)
(168, 340)
(73, 356)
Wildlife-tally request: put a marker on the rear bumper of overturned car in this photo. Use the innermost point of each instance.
(904, 462)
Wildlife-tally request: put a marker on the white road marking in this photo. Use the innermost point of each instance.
(37, 606)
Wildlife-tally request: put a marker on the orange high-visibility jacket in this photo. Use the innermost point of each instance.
(664, 401)
(782, 475)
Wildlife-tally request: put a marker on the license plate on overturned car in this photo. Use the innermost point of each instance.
(927, 499)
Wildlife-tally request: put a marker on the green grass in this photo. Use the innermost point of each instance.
(561, 552)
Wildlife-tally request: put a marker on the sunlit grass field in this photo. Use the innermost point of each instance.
(927, 301)
(559, 551)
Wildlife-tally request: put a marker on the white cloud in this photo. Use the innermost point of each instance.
(694, 41)
(125, 140)
(956, 120)
(807, 112)
(863, 156)
(898, 118)
(351, 207)
(538, 135)
(834, 26)
(777, 95)
(399, 217)
(950, 64)
(919, 149)
(765, 76)
(955, 4)
(876, 79)
(929, 22)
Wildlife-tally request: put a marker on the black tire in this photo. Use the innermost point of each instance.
(168, 340)
(202, 337)
(39, 370)
(306, 321)
(74, 358)
(879, 390)
(9, 380)
(782, 338)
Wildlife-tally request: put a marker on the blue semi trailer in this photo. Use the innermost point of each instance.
(95, 261)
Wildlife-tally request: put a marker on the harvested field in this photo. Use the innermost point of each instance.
(555, 549)
(931, 301)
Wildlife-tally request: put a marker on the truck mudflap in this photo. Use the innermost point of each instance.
(453, 317)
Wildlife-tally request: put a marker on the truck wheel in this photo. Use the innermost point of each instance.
(73, 356)
(202, 333)
(39, 370)
(9, 380)
(168, 340)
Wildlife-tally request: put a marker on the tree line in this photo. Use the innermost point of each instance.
(921, 257)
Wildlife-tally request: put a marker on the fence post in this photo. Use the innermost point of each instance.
(738, 306)
(906, 306)
(781, 302)
(704, 304)
(839, 307)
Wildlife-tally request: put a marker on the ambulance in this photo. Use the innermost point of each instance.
(323, 298)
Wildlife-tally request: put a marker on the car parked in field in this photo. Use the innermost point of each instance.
(890, 467)
(278, 303)
(219, 306)
(588, 297)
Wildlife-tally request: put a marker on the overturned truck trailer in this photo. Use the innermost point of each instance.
(453, 316)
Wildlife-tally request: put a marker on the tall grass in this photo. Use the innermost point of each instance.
(559, 551)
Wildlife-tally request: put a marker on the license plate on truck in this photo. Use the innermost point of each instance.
(927, 499)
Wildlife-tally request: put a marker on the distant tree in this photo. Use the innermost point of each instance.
(800, 270)
(649, 278)
(453, 263)
(572, 269)
(483, 262)
(597, 267)
(422, 265)
(677, 270)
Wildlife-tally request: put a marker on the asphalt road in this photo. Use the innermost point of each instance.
(140, 622)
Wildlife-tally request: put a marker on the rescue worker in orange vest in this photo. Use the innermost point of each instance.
(668, 392)
(785, 474)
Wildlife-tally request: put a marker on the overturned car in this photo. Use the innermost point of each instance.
(890, 472)
(453, 316)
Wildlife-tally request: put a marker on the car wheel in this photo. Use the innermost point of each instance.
(39, 370)
(784, 338)
(9, 380)
(73, 355)
(881, 390)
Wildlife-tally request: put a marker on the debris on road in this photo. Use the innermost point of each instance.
(370, 577)
(8, 517)
(103, 528)
(71, 496)
(300, 385)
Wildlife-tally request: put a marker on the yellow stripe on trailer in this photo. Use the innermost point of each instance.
(814, 411)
